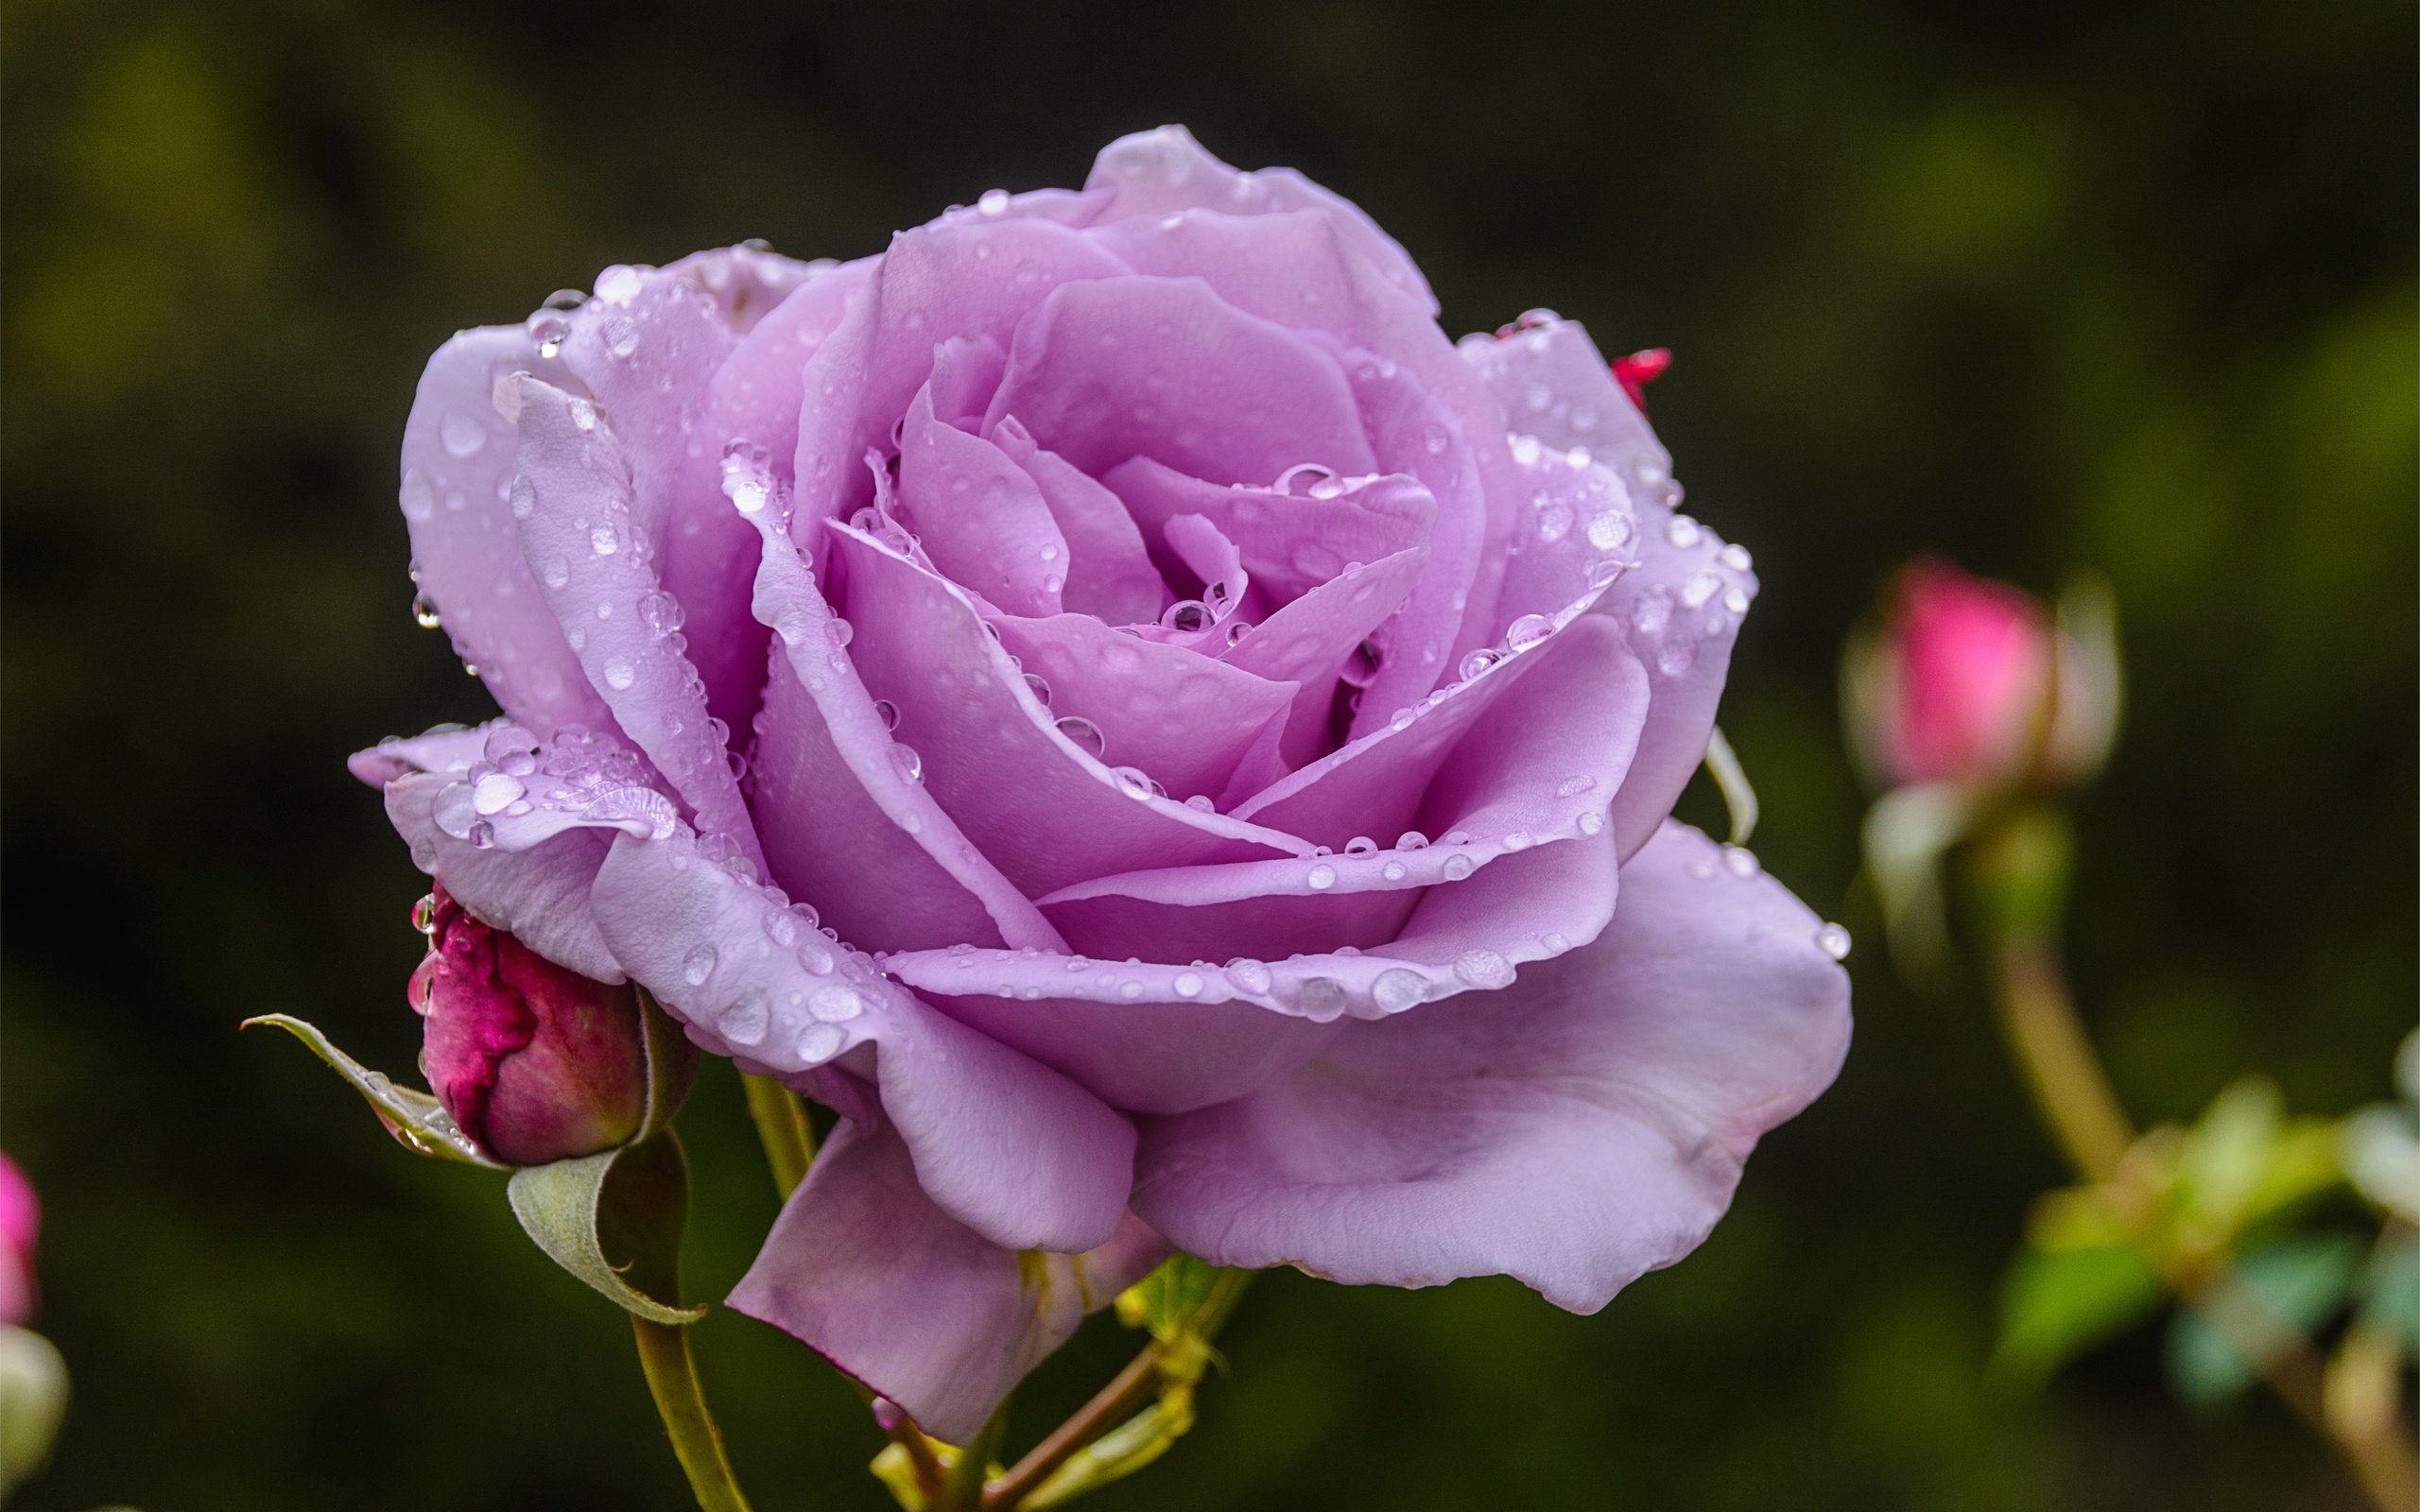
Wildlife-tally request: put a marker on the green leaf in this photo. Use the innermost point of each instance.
(671, 1066)
(2390, 1287)
(418, 1123)
(615, 1220)
(2299, 1282)
(2057, 1303)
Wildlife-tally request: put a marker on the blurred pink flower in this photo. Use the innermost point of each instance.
(1960, 687)
(20, 1218)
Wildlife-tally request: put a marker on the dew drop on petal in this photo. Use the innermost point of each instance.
(1528, 631)
(1321, 878)
(1249, 975)
(1085, 734)
(819, 1042)
(1833, 941)
(463, 435)
(1457, 868)
(1483, 969)
(835, 1003)
(698, 965)
(1397, 989)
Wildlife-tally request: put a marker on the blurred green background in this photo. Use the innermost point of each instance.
(2033, 284)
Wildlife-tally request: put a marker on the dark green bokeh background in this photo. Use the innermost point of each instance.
(2034, 284)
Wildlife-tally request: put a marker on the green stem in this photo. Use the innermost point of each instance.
(781, 1123)
(1127, 1392)
(2023, 870)
(681, 1400)
(962, 1488)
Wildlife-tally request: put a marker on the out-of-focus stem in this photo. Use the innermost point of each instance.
(2022, 872)
(681, 1400)
(781, 1123)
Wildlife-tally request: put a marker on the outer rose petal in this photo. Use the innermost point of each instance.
(458, 469)
(1170, 1039)
(864, 1268)
(1007, 1146)
(1153, 173)
(1576, 1130)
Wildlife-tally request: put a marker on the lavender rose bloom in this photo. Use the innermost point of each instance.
(1108, 698)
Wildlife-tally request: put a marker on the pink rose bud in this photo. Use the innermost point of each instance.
(1961, 686)
(535, 1062)
(20, 1216)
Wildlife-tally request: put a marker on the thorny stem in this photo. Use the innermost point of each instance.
(1127, 1392)
(781, 1123)
(2073, 1093)
(681, 1400)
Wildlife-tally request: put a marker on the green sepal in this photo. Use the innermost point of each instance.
(614, 1220)
(671, 1066)
(1166, 1300)
(1731, 780)
(418, 1123)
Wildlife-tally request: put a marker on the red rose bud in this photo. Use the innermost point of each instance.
(1974, 681)
(535, 1062)
(1635, 371)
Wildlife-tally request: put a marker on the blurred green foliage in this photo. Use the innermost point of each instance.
(2036, 285)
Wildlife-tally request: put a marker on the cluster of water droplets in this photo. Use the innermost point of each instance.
(762, 1008)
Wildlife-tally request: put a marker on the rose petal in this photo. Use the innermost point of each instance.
(1291, 542)
(1162, 368)
(1555, 385)
(1110, 575)
(845, 827)
(1539, 766)
(458, 474)
(583, 540)
(1039, 808)
(1180, 717)
(980, 516)
(1164, 171)
(1005, 1146)
(1308, 641)
(1575, 1131)
(929, 1313)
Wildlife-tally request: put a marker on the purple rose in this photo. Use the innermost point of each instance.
(534, 1062)
(1108, 698)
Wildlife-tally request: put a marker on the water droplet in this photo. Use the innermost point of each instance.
(1683, 531)
(1483, 967)
(1591, 822)
(462, 434)
(1322, 878)
(583, 414)
(1201, 803)
(1477, 662)
(993, 201)
(1526, 450)
(619, 674)
(1188, 984)
(1085, 734)
(1653, 611)
(820, 1042)
(1740, 862)
(1609, 530)
(1528, 631)
(1517, 841)
(1675, 657)
(1249, 975)
(1320, 998)
(905, 761)
(495, 792)
(1700, 588)
(745, 1022)
(1412, 840)
(618, 284)
(1394, 871)
(698, 965)
(1457, 868)
(424, 613)
(838, 631)
(604, 541)
(1555, 521)
(420, 500)
(424, 914)
(523, 496)
(660, 612)
(1397, 989)
(1735, 600)
(1190, 616)
(622, 336)
(1136, 783)
(835, 1003)
(1833, 941)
